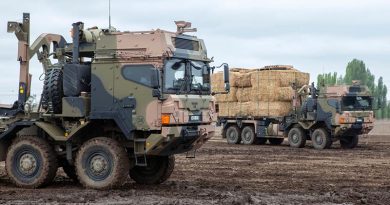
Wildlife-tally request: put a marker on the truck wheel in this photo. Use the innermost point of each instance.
(102, 163)
(296, 137)
(349, 142)
(233, 135)
(52, 91)
(248, 135)
(321, 139)
(31, 162)
(158, 170)
(276, 141)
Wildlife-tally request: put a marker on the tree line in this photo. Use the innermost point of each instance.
(357, 70)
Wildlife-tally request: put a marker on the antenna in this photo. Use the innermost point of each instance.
(109, 14)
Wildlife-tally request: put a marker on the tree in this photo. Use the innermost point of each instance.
(328, 79)
(357, 70)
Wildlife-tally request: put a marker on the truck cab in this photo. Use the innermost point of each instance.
(114, 104)
(341, 112)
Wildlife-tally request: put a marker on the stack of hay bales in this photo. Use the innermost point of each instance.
(262, 92)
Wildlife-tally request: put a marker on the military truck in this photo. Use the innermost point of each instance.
(113, 104)
(322, 116)
(332, 113)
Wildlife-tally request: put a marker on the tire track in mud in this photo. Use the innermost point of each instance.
(238, 174)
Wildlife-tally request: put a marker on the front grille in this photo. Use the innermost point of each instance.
(185, 44)
(354, 89)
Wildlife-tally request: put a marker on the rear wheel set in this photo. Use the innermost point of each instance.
(101, 163)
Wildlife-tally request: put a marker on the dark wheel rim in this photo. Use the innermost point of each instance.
(232, 135)
(318, 139)
(98, 165)
(247, 136)
(295, 138)
(27, 164)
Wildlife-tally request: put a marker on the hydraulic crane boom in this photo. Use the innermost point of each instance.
(41, 47)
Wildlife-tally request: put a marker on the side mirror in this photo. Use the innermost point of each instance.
(338, 107)
(155, 79)
(226, 77)
(155, 83)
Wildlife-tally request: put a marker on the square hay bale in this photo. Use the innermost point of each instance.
(260, 108)
(234, 109)
(236, 79)
(242, 80)
(282, 78)
(276, 109)
(231, 97)
(217, 84)
(244, 94)
(271, 93)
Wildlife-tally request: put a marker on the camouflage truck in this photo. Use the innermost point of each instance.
(113, 104)
(332, 113)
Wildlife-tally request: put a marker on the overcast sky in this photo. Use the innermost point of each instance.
(314, 36)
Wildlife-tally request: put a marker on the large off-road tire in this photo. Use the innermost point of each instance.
(158, 170)
(233, 134)
(248, 135)
(102, 163)
(276, 141)
(53, 91)
(297, 137)
(321, 139)
(349, 142)
(31, 162)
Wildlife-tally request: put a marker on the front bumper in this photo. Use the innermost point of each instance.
(178, 139)
(354, 129)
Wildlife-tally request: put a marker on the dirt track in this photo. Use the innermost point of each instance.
(238, 174)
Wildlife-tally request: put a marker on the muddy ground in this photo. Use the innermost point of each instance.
(238, 174)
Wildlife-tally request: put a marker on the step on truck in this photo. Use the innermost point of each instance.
(114, 104)
(334, 113)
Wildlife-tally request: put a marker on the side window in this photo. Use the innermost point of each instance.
(141, 74)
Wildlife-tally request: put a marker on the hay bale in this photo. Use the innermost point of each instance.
(237, 78)
(259, 93)
(242, 80)
(244, 94)
(234, 109)
(260, 108)
(277, 77)
(230, 97)
(217, 83)
(272, 93)
(276, 109)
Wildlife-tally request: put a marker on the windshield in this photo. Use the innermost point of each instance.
(351, 103)
(186, 76)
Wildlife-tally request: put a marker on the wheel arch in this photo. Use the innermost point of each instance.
(7, 136)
